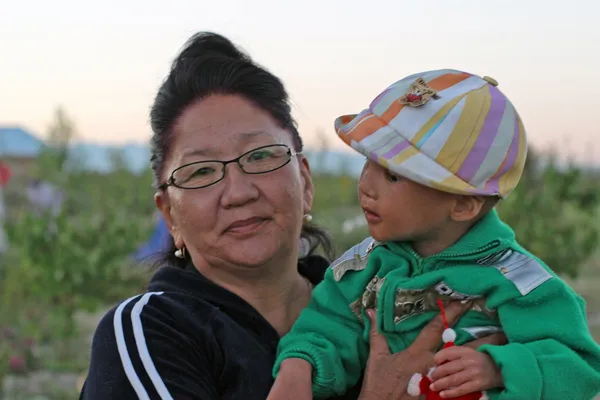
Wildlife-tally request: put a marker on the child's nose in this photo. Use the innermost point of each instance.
(366, 185)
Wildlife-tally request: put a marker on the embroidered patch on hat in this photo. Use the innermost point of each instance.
(418, 94)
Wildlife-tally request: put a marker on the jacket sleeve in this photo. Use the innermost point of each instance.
(551, 354)
(329, 336)
(137, 354)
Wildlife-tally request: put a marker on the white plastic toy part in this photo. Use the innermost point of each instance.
(414, 385)
(449, 335)
(430, 372)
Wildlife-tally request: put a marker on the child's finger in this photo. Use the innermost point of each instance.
(447, 369)
(450, 354)
(461, 390)
(451, 382)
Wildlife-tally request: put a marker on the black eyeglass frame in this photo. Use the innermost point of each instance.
(171, 181)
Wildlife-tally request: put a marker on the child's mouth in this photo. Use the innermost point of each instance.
(371, 217)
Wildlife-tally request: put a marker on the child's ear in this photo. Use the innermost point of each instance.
(466, 208)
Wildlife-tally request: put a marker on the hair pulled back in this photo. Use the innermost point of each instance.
(211, 64)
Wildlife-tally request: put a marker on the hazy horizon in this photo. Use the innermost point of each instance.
(104, 61)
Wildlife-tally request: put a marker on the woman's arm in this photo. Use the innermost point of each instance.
(138, 353)
(387, 375)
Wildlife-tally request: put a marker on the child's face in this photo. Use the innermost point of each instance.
(398, 209)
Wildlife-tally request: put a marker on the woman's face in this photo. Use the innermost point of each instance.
(244, 220)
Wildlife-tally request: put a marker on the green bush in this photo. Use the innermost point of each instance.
(80, 259)
(73, 261)
(554, 212)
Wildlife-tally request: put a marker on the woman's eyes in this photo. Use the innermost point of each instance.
(203, 171)
(259, 155)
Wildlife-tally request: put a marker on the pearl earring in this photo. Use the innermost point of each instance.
(307, 218)
(180, 253)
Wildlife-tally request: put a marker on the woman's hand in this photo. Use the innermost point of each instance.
(387, 375)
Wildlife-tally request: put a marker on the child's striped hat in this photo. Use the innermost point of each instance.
(447, 129)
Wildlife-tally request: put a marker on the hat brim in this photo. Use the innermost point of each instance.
(398, 155)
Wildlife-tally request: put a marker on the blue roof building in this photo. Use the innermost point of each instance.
(16, 142)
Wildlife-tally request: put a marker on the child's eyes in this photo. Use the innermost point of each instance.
(392, 177)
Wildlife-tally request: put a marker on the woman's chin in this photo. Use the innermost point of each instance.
(255, 253)
(256, 249)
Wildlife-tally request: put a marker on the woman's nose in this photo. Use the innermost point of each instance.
(239, 188)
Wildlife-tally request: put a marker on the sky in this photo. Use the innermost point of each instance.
(104, 60)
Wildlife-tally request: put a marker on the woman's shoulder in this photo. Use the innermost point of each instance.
(136, 341)
(172, 306)
(156, 312)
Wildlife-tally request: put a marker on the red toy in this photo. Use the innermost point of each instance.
(419, 384)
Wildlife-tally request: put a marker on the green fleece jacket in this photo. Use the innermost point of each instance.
(551, 354)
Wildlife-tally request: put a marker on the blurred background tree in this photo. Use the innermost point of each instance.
(554, 212)
(77, 254)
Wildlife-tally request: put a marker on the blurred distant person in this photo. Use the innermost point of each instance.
(236, 194)
(159, 242)
(5, 176)
(442, 148)
(3, 238)
(44, 198)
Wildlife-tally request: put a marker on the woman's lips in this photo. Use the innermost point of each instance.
(246, 226)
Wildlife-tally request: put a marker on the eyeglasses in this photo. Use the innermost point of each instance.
(201, 174)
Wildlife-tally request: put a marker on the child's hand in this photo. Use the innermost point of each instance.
(461, 370)
(294, 381)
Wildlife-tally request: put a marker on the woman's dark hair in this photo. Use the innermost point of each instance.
(211, 64)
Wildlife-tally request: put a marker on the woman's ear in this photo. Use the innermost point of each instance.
(309, 187)
(163, 203)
